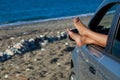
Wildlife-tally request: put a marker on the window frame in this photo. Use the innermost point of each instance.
(97, 19)
(113, 31)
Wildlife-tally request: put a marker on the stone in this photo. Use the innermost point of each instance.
(16, 51)
(66, 44)
(12, 38)
(1, 54)
(31, 40)
(42, 49)
(18, 45)
(44, 43)
(6, 76)
(22, 41)
(9, 52)
(32, 44)
(54, 60)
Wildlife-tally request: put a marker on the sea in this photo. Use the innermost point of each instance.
(16, 12)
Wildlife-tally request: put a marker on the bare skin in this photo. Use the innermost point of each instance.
(79, 39)
(86, 35)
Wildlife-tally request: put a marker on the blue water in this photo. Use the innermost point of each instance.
(18, 11)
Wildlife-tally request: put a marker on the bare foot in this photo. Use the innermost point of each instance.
(80, 26)
(76, 37)
(79, 39)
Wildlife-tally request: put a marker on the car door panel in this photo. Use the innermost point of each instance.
(88, 62)
(109, 69)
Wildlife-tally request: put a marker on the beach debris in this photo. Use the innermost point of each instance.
(32, 44)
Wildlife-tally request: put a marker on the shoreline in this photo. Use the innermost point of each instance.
(49, 25)
(17, 23)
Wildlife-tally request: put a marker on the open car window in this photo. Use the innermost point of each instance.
(105, 23)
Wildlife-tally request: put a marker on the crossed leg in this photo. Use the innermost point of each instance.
(79, 39)
(86, 35)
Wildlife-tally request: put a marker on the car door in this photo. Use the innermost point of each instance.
(109, 66)
(90, 56)
(88, 60)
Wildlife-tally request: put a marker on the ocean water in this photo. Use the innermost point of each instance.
(23, 11)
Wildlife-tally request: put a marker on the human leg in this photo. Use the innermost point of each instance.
(99, 39)
(79, 39)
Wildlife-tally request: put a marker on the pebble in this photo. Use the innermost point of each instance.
(30, 40)
(58, 64)
(42, 49)
(1, 54)
(54, 60)
(22, 41)
(18, 45)
(9, 52)
(6, 76)
(35, 60)
(66, 44)
(27, 69)
(12, 38)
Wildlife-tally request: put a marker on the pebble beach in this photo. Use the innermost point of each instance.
(37, 51)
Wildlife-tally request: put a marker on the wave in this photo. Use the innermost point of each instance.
(38, 20)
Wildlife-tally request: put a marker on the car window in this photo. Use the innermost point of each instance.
(116, 44)
(106, 21)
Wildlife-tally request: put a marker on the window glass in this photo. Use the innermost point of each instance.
(106, 21)
(116, 45)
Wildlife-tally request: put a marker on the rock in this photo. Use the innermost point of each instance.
(18, 45)
(44, 43)
(25, 46)
(32, 43)
(54, 60)
(42, 73)
(41, 36)
(62, 35)
(6, 76)
(66, 44)
(38, 42)
(22, 41)
(16, 51)
(58, 64)
(51, 39)
(68, 49)
(9, 52)
(42, 49)
(24, 33)
(58, 32)
(12, 38)
(27, 69)
(58, 37)
(1, 54)
(31, 40)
